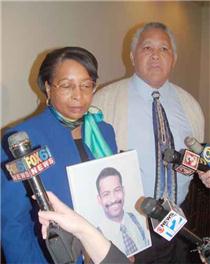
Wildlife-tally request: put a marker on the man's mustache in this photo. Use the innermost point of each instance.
(111, 204)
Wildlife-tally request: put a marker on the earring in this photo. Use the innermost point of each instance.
(38, 101)
(48, 101)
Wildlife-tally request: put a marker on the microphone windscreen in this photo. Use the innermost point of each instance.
(193, 145)
(17, 138)
(148, 205)
(168, 155)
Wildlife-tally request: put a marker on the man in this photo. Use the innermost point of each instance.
(127, 104)
(123, 228)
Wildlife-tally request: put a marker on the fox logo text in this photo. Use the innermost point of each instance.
(30, 165)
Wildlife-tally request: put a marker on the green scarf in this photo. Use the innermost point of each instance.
(93, 137)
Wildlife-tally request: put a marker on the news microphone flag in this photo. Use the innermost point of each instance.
(31, 164)
(189, 164)
(185, 162)
(171, 223)
(206, 154)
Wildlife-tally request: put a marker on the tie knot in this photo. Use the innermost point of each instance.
(123, 228)
(155, 95)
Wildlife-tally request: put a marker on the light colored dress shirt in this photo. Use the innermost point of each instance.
(140, 119)
(111, 230)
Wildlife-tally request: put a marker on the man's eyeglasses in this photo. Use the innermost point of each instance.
(67, 86)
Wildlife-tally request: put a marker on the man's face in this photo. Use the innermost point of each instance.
(111, 197)
(153, 58)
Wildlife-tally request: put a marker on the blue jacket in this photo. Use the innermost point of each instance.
(21, 235)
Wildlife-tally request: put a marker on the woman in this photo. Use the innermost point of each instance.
(97, 246)
(73, 132)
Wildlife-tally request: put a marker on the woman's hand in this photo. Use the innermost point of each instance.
(205, 178)
(68, 219)
(96, 245)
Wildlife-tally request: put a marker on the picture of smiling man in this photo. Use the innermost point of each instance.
(124, 228)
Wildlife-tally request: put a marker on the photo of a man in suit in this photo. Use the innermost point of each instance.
(125, 229)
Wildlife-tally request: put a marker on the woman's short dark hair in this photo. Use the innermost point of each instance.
(83, 56)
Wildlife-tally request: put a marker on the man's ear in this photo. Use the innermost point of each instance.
(99, 199)
(175, 60)
(132, 58)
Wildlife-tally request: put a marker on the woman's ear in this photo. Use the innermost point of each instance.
(47, 86)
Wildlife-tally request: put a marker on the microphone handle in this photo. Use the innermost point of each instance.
(40, 193)
(191, 236)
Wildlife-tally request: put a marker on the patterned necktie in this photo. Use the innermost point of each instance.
(166, 182)
(130, 246)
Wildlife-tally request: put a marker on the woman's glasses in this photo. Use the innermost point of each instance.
(67, 86)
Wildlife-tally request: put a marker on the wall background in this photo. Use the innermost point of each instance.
(105, 28)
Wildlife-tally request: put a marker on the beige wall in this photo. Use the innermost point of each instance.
(104, 28)
(204, 85)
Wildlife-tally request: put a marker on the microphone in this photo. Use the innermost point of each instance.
(63, 246)
(169, 219)
(156, 210)
(28, 161)
(202, 150)
(185, 162)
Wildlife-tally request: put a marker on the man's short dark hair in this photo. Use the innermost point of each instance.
(106, 172)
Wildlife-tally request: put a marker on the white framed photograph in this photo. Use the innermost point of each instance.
(105, 191)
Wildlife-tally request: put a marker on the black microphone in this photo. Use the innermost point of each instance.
(20, 146)
(155, 210)
(185, 162)
(64, 248)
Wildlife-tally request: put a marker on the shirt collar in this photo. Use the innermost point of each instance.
(145, 90)
(113, 223)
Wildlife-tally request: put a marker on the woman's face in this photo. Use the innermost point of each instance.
(71, 90)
